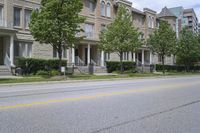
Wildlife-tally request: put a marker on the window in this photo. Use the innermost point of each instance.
(141, 37)
(17, 16)
(23, 49)
(152, 23)
(55, 53)
(159, 58)
(103, 8)
(89, 28)
(103, 27)
(106, 56)
(1, 16)
(126, 56)
(27, 18)
(16, 49)
(149, 22)
(91, 5)
(108, 10)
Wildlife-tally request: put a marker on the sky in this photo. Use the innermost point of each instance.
(157, 5)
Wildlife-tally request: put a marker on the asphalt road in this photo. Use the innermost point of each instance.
(157, 105)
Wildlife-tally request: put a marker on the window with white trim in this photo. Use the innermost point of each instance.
(55, 52)
(27, 17)
(89, 29)
(17, 16)
(103, 13)
(23, 49)
(126, 56)
(91, 4)
(108, 10)
(152, 23)
(106, 56)
(1, 16)
(149, 22)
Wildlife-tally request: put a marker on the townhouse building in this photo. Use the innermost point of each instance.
(17, 41)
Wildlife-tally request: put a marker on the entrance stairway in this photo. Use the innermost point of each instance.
(85, 69)
(4, 71)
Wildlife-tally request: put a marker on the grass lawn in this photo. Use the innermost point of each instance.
(27, 79)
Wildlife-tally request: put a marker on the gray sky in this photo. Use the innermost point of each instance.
(157, 5)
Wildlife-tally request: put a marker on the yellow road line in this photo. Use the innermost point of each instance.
(148, 89)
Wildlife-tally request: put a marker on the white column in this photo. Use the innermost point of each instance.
(150, 56)
(12, 50)
(102, 58)
(88, 54)
(68, 54)
(73, 56)
(142, 56)
(134, 57)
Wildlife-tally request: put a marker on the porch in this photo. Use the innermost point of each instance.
(7, 49)
(85, 54)
(143, 57)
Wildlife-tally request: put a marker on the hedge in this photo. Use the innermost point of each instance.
(115, 66)
(176, 68)
(32, 65)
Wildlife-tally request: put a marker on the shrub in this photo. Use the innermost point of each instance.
(115, 66)
(177, 68)
(54, 72)
(42, 73)
(32, 66)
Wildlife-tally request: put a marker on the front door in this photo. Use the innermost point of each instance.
(1, 52)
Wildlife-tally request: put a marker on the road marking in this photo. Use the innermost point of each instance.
(148, 89)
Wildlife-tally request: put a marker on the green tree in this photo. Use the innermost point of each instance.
(57, 22)
(120, 36)
(188, 49)
(163, 41)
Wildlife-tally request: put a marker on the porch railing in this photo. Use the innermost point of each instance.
(78, 61)
(93, 62)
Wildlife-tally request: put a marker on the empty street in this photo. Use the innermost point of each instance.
(154, 105)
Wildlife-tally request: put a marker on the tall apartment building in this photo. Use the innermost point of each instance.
(192, 19)
(185, 17)
(17, 41)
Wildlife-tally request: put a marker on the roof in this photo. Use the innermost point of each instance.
(137, 11)
(166, 13)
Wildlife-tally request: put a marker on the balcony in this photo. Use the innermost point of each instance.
(89, 36)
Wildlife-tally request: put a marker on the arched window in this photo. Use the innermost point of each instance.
(108, 10)
(103, 8)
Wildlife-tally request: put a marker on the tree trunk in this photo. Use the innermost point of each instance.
(163, 64)
(121, 63)
(60, 58)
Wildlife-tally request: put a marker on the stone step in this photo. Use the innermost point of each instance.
(4, 71)
(84, 69)
(144, 68)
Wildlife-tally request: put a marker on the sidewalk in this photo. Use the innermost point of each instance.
(91, 80)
